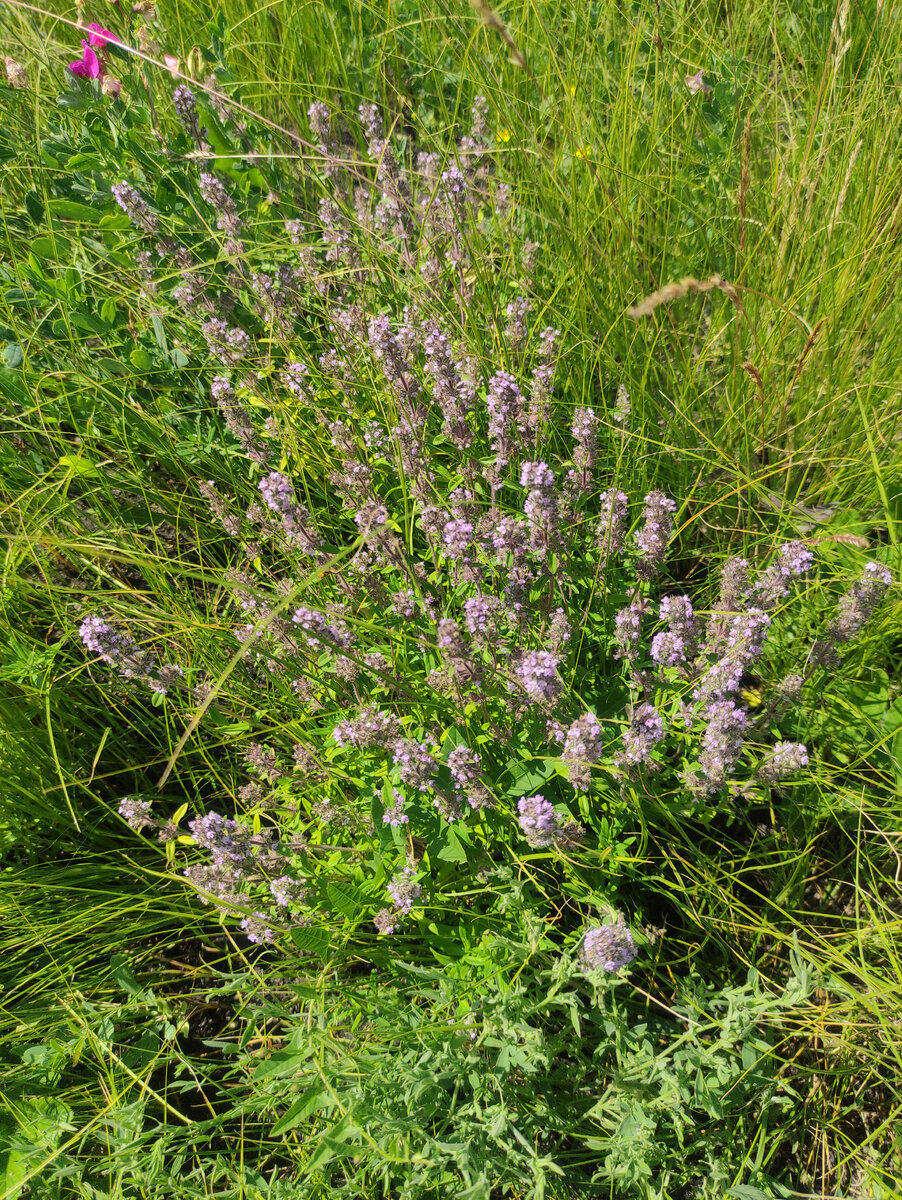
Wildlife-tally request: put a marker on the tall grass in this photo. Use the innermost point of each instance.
(148, 1049)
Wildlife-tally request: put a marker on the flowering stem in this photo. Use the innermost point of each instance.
(241, 652)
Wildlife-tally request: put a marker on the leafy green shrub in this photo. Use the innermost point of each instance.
(402, 548)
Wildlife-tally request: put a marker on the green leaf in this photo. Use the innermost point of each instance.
(452, 850)
(283, 1062)
(312, 941)
(745, 1191)
(346, 899)
(11, 387)
(331, 1145)
(141, 360)
(309, 1102)
(34, 206)
(71, 210)
(123, 975)
(44, 247)
(79, 465)
(112, 366)
(159, 333)
(12, 356)
(527, 776)
(115, 220)
(88, 324)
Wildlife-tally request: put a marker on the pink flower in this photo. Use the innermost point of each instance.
(98, 36)
(88, 66)
(696, 83)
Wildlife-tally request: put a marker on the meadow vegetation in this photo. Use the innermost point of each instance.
(451, 699)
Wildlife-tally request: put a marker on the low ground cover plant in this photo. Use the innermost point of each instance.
(411, 685)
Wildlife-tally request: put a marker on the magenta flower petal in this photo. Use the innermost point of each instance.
(98, 36)
(89, 66)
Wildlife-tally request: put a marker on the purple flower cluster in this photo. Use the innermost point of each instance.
(457, 538)
(101, 638)
(853, 612)
(257, 928)
(668, 649)
(559, 631)
(164, 678)
(336, 234)
(582, 748)
(542, 380)
(652, 538)
(585, 433)
(747, 634)
(241, 859)
(742, 645)
(392, 358)
(404, 604)
(371, 516)
(465, 767)
(515, 330)
(507, 536)
(313, 624)
(609, 537)
(230, 345)
(296, 377)
(134, 206)
(277, 491)
(369, 728)
(215, 194)
(627, 630)
(417, 766)
(482, 615)
(504, 404)
(386, 921)
(646, 729)
(540, 506)
(261, 760)
(453, 391)
(721, 742)
(185, 105)
(237, 421)
(678, 643)
(395, 814)
(734, 584)
(319, 118)
(773, 586)
(537, 672)
(608, 947)
(136, 813)
(404, 891)
(374, 437)
(122, 653)
(785, 759)
(456, 651)
(286, 891)
(538, 820)
(228, 843)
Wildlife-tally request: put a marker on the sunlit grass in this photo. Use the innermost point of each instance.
(770, 407)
